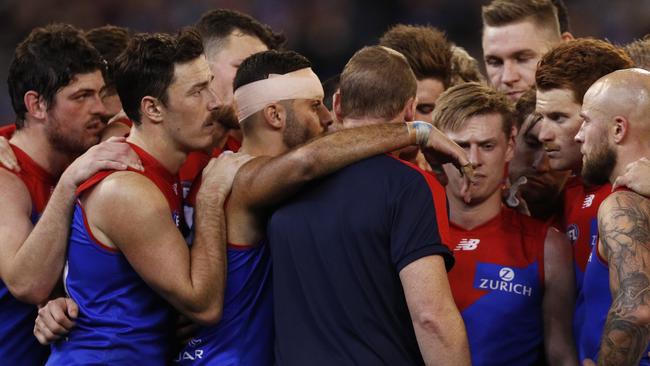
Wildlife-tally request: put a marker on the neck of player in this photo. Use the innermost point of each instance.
(474, 214)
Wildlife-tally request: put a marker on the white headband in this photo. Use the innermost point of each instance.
(299, 84)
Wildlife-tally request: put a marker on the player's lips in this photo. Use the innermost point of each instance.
(95, 126)
(537, 181)
(515, 93)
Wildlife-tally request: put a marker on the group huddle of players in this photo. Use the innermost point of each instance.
(202, 198)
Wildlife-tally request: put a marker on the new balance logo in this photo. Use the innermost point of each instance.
(468, 244)
(588, 201)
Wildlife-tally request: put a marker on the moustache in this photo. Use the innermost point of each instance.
(551, 146)
(226, 116)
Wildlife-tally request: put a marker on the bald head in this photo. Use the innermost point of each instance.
(616, 127)
(624, 93)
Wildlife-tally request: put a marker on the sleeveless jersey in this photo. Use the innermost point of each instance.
(597, 301)
(18, 345)
(121, 319)
(581, 204)
(244, 335)
(498, 285)
(7, 131)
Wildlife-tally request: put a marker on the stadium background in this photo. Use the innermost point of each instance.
(326, 31)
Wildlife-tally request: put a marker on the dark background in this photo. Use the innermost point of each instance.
(326, 31)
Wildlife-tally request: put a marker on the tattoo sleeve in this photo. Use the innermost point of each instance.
(624, 226)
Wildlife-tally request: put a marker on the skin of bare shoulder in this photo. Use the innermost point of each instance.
(119, 200)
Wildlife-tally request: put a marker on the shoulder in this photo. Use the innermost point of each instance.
(622, 204)
(13, 189)
(127, 189)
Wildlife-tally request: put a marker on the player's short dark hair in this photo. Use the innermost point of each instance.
(639, 51)
(110, 41)
(46, 61)
(426, 49)
(562, 15)
(260, 65)
(216, 25)
(330, 86)
(146, 67)
(503, 12)
(525, 106)
(376, 82)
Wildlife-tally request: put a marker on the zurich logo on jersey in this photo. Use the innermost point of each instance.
(507, 274)
(493, 277)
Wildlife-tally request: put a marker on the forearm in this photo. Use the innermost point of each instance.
(625, 335)
(443, 341)
(38, 263)
(208, 258)
(558, 341)
(281, 176)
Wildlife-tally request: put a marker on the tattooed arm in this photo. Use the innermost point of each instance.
(624, 228)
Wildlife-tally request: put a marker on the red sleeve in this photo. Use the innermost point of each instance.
(7, 131)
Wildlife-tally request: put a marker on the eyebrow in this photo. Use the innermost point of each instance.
(199, 85)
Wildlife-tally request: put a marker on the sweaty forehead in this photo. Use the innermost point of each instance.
(88, 81)
(478, 128)
(503, 41)
(189, 73)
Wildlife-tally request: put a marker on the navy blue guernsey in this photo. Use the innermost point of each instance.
(338, 247)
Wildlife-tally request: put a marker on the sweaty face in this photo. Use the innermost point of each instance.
(530, 161)
(598, 157)
(560, 122)
(488, 149)
(428, 91)
(74, 117)
(306, 119)
(190, 114)
(511, 53)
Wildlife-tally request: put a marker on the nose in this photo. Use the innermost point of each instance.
(474, 155)
(580, 136)
(510, 72)
(545, 133)
(213, 100)
(98, 106)
(325, 117)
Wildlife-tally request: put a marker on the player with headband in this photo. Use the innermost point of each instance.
(279, 100)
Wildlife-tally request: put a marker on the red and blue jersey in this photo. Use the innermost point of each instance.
(18, 345)
(244, 335)
(121, 319)
(7, 131)
(498, 285)
(580, 219)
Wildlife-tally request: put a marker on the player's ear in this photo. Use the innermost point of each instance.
(35, 104)
(274, 115)
(336, 105)
(152, 109)
(620, 129)
(409, 109)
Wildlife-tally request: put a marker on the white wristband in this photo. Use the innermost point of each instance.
(422, 131)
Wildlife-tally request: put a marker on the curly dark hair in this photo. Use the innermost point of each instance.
(46, 61)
